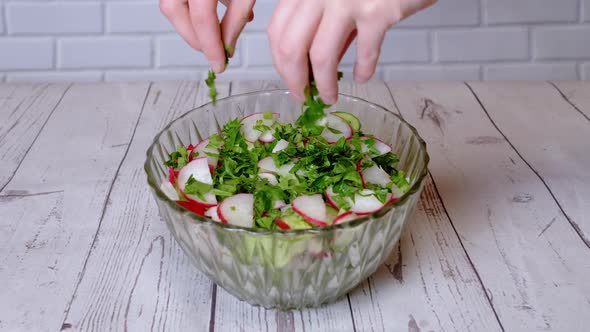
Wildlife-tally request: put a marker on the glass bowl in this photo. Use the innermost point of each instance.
(296, 268)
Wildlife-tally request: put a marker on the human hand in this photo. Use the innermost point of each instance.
(321, 31)
(197, 23)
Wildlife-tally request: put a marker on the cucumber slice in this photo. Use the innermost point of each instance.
(351, 119)
(294, 220)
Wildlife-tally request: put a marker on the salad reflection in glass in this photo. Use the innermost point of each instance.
(262, 173)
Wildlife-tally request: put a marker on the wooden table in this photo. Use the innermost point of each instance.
(500, 241)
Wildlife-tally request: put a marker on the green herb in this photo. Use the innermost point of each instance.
(399, 179)
(210, 81)
(178, 158)
(194, 187)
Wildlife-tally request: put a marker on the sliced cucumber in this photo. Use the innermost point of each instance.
(294, 220)
(351, 119)
(331, 214)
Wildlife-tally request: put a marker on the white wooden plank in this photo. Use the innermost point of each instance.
(532, 263)
(234, 315)
(428, 283)
(577, 93)
(24, 109)
(137, 278)
(551, 136)
(46, 237)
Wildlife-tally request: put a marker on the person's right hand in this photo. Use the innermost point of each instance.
(197, 23)
(319, 32)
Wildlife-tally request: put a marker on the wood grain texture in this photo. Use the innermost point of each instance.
(234, 315)
(577, 94)
(531, 261)
(137, 278)
(428, 284)
(56, 200)
(24, 110)
(556, 145)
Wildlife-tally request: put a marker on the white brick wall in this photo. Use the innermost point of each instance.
(53, 18)
(530, 11)
(92, 40)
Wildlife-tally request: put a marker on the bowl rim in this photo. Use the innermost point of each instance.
(197, 219)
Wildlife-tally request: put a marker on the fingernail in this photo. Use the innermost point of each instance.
(330, 99)
(218, 67)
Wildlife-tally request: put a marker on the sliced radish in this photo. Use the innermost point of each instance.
(375, 175)
(329, 195)
(279, 204)
(272, 179)
(322, 122)
(282, 224)
(285, 208)
(267, 136)
(199, 169)
(338, 124)
(169, 190)
(380, 146)
(201, 149)
(171, 175)
(311, 208)
(193, 206)
(345, 217)
(237, 210)
(248, 123)
(366, 203)
(212, 213)
(280, 146)
(268, 165)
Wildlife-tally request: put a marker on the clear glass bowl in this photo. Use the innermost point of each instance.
(297, 268)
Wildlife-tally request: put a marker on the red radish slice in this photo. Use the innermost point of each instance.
(279, 204)
(199, 169)
(268, 165)
(202, 149)
(248, 123)
(212, 213)
(380, 146)
(331, 201)
(193, 207)
(272, 179)
(362, 205)
(280, 146)
(284, 208)
(375, 175)
(322, 122)
(336, 123)
(345, 217)
(171, 175)
(267, 136)
(311, 208)
(169, 190)
(366, 203)
(237, 210)
(282, 224)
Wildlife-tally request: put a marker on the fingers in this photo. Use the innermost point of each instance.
(177, 13)
(349, 41)
(237, 15)
(368, 48)
(203, 14)
(290, 51)
(332, 35)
